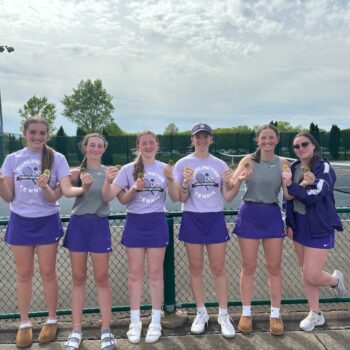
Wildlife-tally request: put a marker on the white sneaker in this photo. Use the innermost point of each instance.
(340, 288)
(227, 329)
(199, 323)
(134, 332)
(154, 332)
(312, 320)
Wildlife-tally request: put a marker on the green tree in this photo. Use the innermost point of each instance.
(39, 106)
(61, 141)
(89, 107)
(107, 157)
(113, 129)
(171, 129)
(315, 131)
(240, 129)
(284, 126)
(334, 141)
(80, 133)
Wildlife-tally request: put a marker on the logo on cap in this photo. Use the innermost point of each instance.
(201, 127)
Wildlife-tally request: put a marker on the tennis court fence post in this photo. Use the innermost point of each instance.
(169, 271)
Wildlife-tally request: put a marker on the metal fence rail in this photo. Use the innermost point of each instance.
(176, 275)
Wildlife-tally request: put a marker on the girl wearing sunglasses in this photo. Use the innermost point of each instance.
(311, 221)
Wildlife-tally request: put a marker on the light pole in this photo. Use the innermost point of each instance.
(9, 49)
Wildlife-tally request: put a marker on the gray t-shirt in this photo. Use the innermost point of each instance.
(265, 183)
(91, 201)
(298, 206)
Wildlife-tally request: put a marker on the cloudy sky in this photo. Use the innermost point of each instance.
(226, 62)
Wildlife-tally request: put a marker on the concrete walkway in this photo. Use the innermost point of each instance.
(335, 334)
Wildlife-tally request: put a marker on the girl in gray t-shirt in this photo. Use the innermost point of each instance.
(88, 232)
(259, 218)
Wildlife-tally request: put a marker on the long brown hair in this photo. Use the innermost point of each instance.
(316, 154)
(138, 163)
(256, 156)
(48, 152)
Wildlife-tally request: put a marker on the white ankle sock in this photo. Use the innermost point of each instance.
(51, 321)
(275, 312)
(135, 315)
(247, 310)
(155, 316)
(202, 310)
(25, 325)
(222, 312)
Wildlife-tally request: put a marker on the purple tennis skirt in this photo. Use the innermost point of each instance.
(33, 231)
(145, 231)
(303, 236)
(203, 228)
(88, 233)
(259, 221)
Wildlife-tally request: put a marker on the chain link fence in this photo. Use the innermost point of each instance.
(292, 286)
(121, 149)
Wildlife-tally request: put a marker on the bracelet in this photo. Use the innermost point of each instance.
(184, 189)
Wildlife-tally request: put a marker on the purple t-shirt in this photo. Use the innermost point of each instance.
(206, 184)
(24, 167)
(151, 199)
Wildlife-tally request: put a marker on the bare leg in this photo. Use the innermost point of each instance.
(273, 256)
(155, 258)
(78, 262)
(195, 255)
(314, 276)
(24, 259)
(101, 264)
(216, 254)
(136, 264)
(47, 266)
(249, 254)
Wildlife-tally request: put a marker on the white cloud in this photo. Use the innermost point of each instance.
(182, 61)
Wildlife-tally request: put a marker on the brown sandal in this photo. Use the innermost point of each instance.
(48, 333)
(24, 337)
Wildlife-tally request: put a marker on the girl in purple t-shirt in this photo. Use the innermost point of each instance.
(28, 181)
(204, 182)
(142, 185)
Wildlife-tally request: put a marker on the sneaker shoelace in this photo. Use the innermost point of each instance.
(314, 317)
(226, 322)
(199, 319)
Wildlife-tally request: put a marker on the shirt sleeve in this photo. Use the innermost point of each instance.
(178, 172)
(323, 186)
(62, 167)
(224, 167)
(122, 179)
(7, 168)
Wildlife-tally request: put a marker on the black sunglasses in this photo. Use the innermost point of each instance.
(303, 145)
